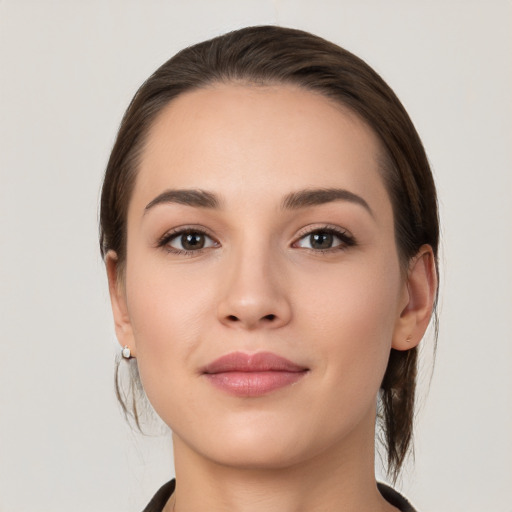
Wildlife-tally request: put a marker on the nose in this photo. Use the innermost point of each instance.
(254, 294)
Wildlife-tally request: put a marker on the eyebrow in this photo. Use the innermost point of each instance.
(192, 197)
(292, 201)
(318, 196)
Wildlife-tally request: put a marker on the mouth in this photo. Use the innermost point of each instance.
(252, 375)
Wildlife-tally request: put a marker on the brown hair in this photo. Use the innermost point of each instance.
(274, 55)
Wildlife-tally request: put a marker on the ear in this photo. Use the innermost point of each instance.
(116, 287)
(418, 300)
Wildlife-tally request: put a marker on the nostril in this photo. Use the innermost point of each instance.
(267, 318)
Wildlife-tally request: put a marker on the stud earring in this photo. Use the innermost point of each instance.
(408, 340)
(126, 352)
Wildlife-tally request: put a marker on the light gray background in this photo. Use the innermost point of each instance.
(67, 71)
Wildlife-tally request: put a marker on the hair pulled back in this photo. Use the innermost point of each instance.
(271, 55)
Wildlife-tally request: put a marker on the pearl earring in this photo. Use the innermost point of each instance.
(126, 352)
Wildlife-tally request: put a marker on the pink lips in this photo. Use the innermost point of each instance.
(251, 375)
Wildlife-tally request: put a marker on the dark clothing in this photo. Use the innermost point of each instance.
(161, 497)
(164, 493)
(395, 498)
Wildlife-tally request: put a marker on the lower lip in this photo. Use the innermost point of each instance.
(251, 384)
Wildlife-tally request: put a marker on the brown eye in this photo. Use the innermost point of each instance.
(190, 241)
(325, 239)
(321, 240)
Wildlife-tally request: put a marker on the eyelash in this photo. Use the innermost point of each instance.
(171, 235)
(347, 240)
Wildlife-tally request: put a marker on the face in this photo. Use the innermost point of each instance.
(263, 290)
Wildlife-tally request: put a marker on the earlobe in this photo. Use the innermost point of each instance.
(421, 287)
(116, 288)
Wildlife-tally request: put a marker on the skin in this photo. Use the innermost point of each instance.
(259, 285)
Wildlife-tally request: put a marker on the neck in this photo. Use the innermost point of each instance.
(341, 479)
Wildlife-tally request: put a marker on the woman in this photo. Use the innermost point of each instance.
(270, 231)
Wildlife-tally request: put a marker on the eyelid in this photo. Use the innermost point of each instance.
(347, 239)
(163, 241)
(311, 228)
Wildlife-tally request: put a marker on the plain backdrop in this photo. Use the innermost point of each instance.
(68, 70)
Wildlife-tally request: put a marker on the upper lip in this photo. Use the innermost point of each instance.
(258, 362)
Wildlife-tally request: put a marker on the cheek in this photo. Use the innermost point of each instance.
(168, 311)
(166, 302)
(350, 315)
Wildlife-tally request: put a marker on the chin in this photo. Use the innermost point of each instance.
(260, 444)
(258, 455)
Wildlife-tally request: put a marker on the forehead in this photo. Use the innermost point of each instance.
(267, 140)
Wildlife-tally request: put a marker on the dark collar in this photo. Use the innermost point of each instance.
(395, 498)
(389, 494)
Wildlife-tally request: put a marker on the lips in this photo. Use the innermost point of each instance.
(252, 375)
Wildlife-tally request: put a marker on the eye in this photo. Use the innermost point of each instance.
(326, 239)
(187, 241)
